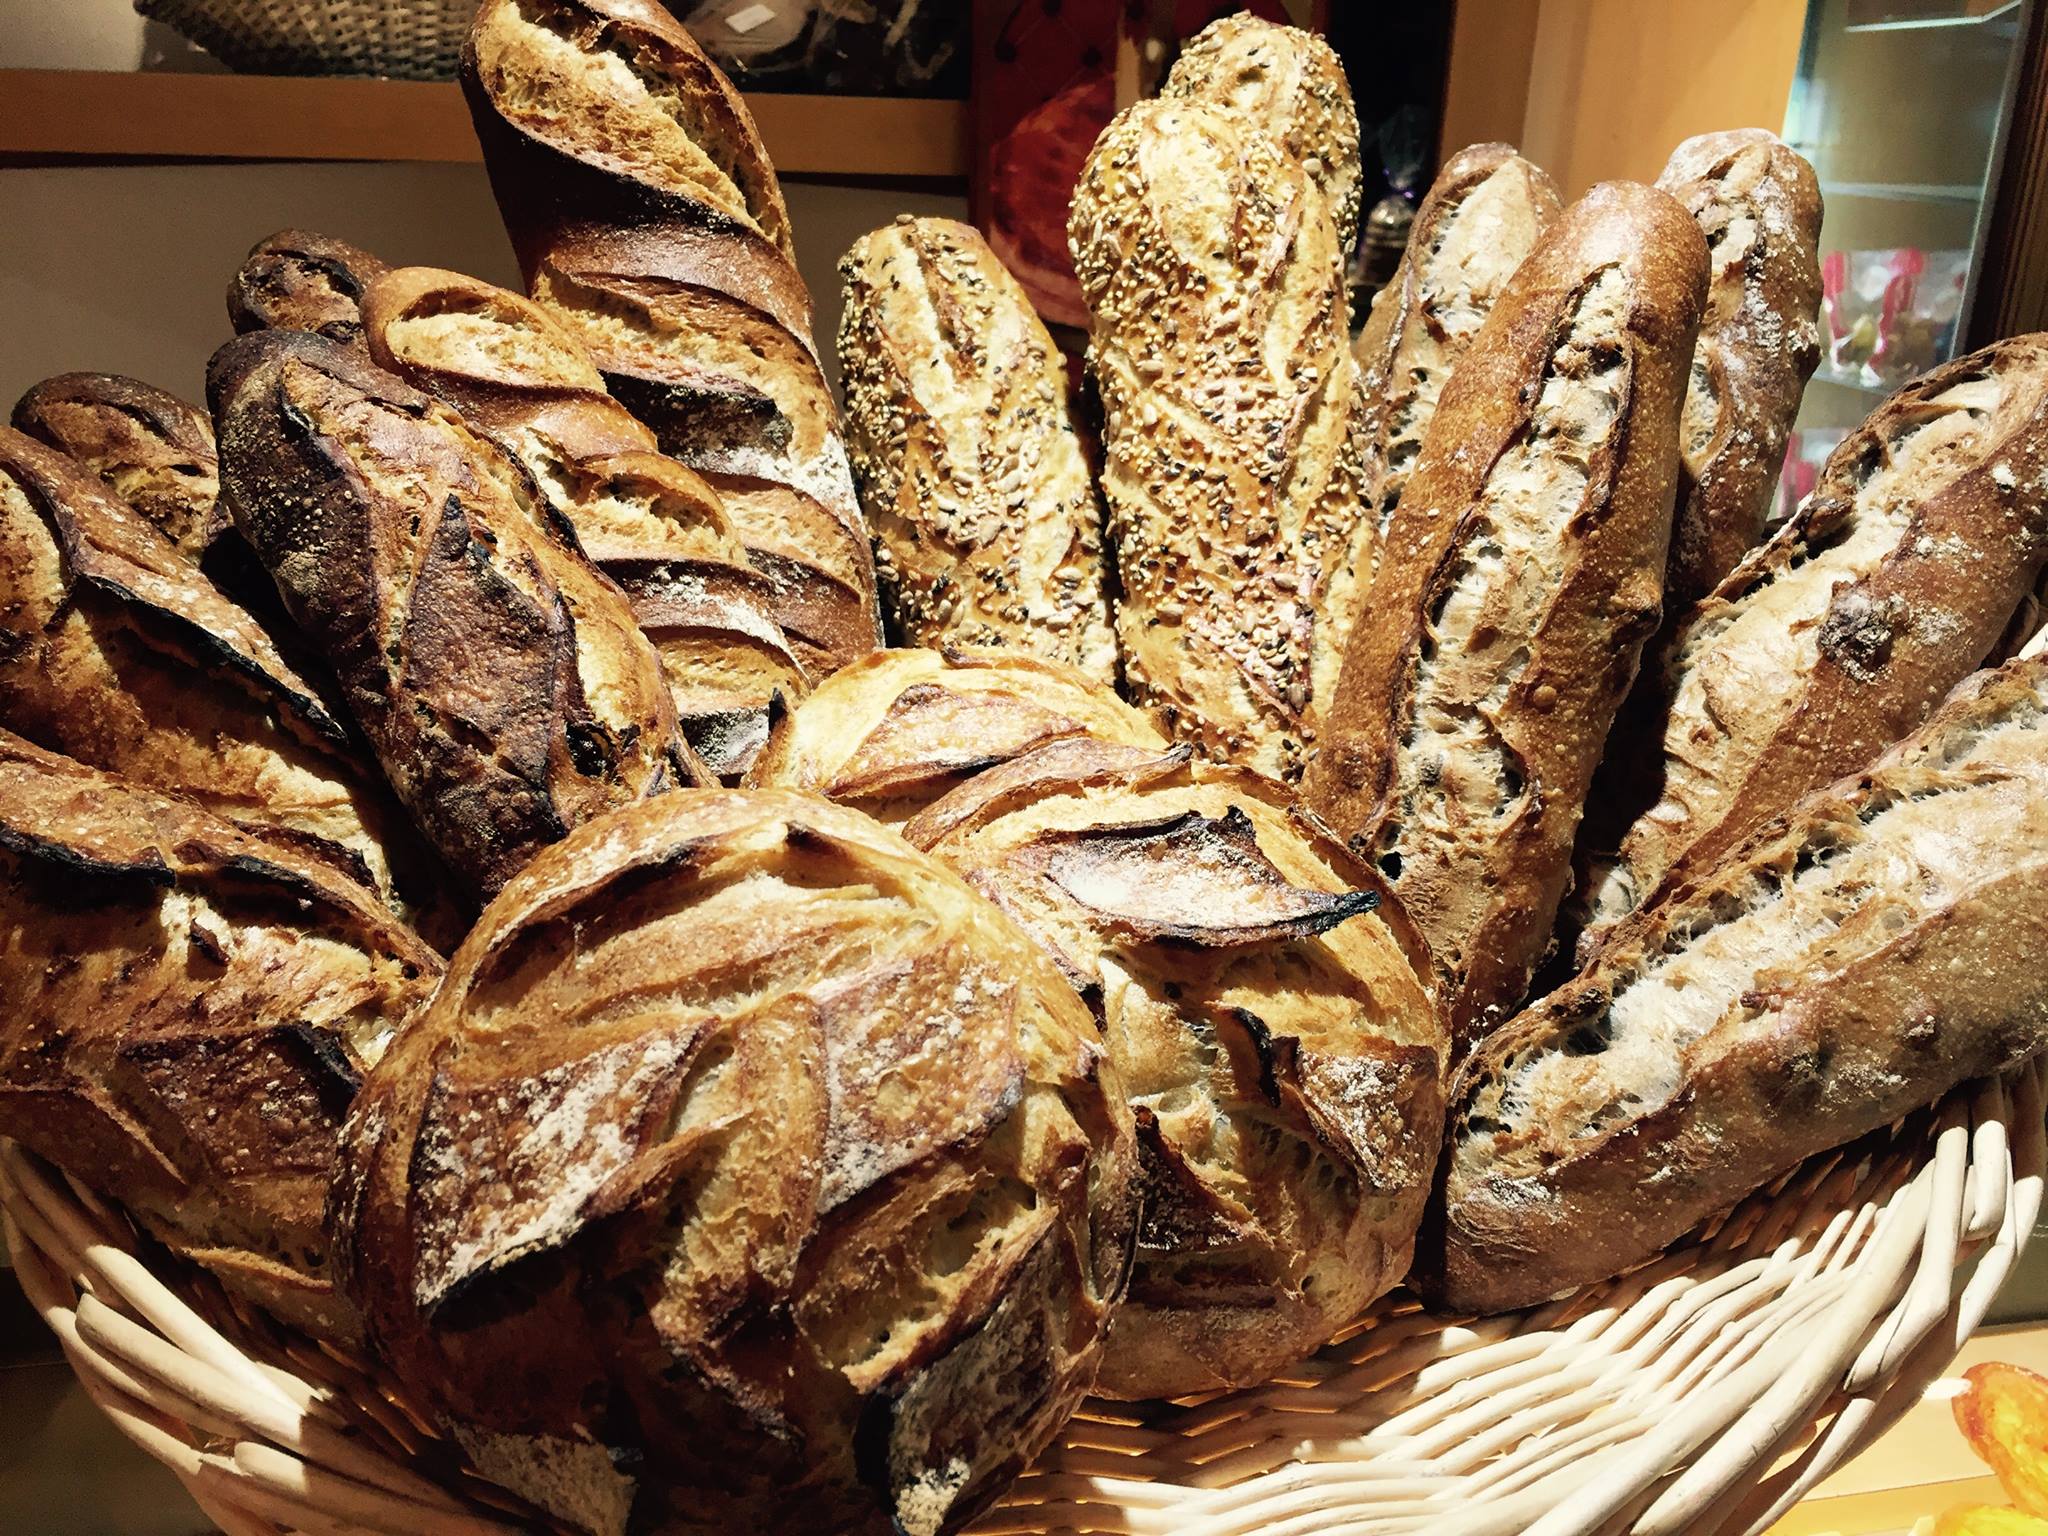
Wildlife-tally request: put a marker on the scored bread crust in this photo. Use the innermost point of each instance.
(1291, 83)
(988, 529)
(497, 673)
(1854, 959)
(298, 280)
(1759, 206)
(1220, 345)
(898, 729)
(645, 214)
(813, 1218)
(1522, 574)
(195, 1058)
(1268, 1010)
(1482, 216)
(1926, 531)
(645, 520)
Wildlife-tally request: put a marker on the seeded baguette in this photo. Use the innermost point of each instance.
(498, 675)
(1853, 960)
(1220, 345)
(1483, 215)
(1523, 571)
(652, 525)
(1924, 535)
(988, 530)
(645, 214)
(1759, 206)
(296, 280)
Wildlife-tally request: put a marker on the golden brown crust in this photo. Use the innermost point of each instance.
(647, 217)
(1851, 961)
(297, 280)
(194, 1059)
(498, 675)
(815, 1216)
(1220, 345)
(1759, 206)
(988, 530)
(1927, 530)
(652, 525)
(1522, 575)
(1281, 1047)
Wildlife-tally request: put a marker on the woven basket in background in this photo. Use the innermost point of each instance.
(401, 39)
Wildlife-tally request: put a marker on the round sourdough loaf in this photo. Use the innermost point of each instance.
(748, 1169)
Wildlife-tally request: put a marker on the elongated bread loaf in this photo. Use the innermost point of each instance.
(1292, 84)
(1759, 206)
(116, 652)
(1220, 343)
(813, 1217)
(1522, 574)
(498, 674)
(1853, 960)
(1483, 215)
(1925, 533)
(987, 527)
(189, 1007)
(898, 729)
(296, 280)
(653, 526)
(1276, 1035)
(645, 213)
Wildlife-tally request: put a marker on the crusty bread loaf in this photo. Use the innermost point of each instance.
(987, 527)
(1291, 83)
(1926, 531)
(152, 449)
(646, 214)
(1281, 1048)
(116, 652)
(898, 729)
(1483, 215)
(653, 526)
(1759, 206)
(187, 1009)
(297, 280)
(1521, 576)
(1220, 345)
(811, 1219)
(1853, 960)
(497, 673)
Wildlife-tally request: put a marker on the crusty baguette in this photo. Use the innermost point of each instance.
(1483, 215)
(116, 652)
(498, 675)
(296, 280)
(1277, 1037)
(653, 526)
(1220, 344)
(645, 213)
(1291, 83)
(1853, 960)
(898, 729)
(1759, 206)
(1926, 532)
(188, 1009)
(987, 527)
(749, 1172)
(1522, 574)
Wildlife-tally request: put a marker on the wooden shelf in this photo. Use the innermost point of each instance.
(93, 114)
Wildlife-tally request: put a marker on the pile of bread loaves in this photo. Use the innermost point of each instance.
(475, 882)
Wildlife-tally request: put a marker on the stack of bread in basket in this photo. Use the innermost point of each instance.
(477, 884)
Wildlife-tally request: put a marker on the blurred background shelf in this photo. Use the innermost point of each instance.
(60, 114)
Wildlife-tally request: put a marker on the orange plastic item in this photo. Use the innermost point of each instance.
(2004, 1416)
(1983, 1520)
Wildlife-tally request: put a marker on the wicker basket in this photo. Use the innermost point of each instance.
(1703, 1393)
(402, 39)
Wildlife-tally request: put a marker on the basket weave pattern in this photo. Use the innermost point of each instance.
(1704, 1393)
(401, 39)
